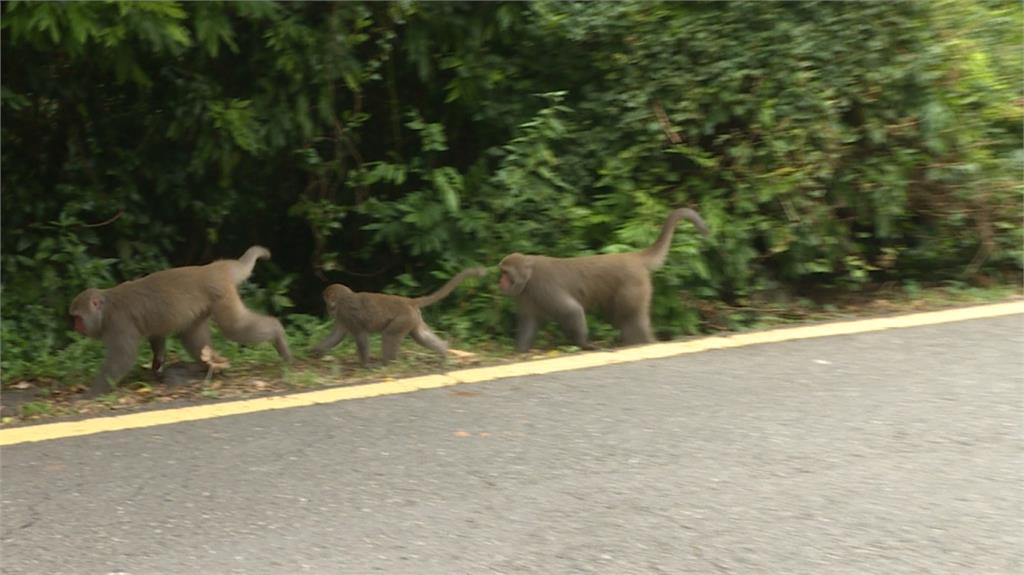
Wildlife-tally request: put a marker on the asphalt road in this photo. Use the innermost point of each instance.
(891, 452)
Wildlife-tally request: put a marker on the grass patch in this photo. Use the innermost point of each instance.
(33, 409)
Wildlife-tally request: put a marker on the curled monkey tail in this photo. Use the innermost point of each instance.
(654, 256)
(449, 286)
(248, 261)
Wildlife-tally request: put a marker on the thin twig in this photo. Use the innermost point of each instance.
(666, 124)
(109, 221)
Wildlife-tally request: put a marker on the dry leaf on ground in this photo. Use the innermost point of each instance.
(213, 359)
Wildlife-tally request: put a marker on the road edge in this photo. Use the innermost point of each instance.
(102, 424)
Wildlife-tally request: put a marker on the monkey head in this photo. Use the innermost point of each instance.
(331, 295)
(87, 311)
(515, 273)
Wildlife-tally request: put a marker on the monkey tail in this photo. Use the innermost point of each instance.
(449, 286)
(248, 261)
(654, 256)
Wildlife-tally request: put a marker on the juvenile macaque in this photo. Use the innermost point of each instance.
(563, 289)
(362, 313)
(177, 301)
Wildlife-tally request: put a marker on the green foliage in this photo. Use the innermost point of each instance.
(389, 145)
(35, 408)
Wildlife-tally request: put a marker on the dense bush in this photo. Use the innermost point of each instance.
(388, 145)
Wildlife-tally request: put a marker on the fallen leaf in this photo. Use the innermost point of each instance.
(461, 354)
(484, 434)
(213, 359)
(460, 393)
(461, 433)
(21, 385)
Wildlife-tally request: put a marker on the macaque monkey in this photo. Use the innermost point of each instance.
(177, 301)
(363, 313)
(563, 289)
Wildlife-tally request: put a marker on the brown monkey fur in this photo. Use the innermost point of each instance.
(563, 289)
(177, 301)
(363, 313)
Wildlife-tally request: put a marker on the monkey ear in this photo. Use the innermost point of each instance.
(96, 303)
(526, 268)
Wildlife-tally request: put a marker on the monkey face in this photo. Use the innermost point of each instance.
(515, 273)
(511, 283)
(87, 312)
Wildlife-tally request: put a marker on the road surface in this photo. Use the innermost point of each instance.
(888, 452)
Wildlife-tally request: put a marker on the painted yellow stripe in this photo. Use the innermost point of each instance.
(48, 431)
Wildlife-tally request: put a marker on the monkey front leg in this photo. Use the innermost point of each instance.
(334, 338)
(527, 330)
(122, 349)
(363, 347)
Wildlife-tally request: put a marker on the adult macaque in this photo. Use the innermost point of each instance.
(563, 289)
(363, 313)
(178, 301)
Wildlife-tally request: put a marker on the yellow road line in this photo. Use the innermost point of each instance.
(48, 431)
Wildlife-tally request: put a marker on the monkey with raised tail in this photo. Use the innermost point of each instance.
(178, 301)
(363, 313)
(564, 289)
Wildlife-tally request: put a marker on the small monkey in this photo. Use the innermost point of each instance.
(363, 313)
(177, 301)
(563, 289)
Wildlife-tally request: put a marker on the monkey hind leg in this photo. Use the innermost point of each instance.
(632, 314)
(238, 323)
(424, 336)
(195, 338)
(636, 331)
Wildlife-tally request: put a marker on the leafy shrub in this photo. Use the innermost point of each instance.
(390, 145)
